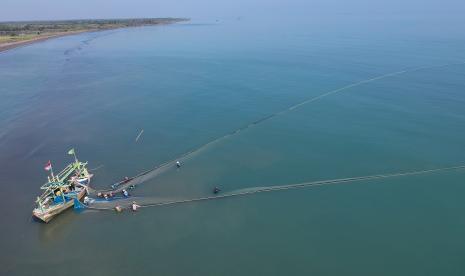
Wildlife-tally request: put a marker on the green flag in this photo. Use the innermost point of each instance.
(71, 152)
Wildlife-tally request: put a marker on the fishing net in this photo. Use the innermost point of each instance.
(144, 202)
(149, 174)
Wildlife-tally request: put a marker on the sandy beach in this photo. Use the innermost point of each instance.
(12, 45)
(66, 28)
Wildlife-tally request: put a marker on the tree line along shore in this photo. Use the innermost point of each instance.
(14, 34)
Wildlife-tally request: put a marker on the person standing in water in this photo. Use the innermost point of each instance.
(134, 206)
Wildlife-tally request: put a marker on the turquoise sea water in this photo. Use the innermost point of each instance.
(188, 84)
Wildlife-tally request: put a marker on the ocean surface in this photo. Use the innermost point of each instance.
(401, 109)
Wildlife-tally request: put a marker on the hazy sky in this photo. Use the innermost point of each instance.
(201, 9)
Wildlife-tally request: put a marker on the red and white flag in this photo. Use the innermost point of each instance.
(48, 166)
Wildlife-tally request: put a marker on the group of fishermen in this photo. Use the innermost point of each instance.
(125, 193)
(134, 207)
(111, 195)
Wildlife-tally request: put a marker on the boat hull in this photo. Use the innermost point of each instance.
(50, 213)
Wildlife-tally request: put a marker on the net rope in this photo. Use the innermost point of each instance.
(153, 172)
(265, 189)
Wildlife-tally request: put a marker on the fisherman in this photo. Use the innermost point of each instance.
(178, 164)
(125, 193)
(134, 206)
(216, 190)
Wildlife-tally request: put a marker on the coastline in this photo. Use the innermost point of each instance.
(12, 45)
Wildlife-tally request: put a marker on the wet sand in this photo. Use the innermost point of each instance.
(12, 45)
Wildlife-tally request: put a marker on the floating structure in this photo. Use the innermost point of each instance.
(62, 189)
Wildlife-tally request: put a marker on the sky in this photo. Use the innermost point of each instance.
(16, 10)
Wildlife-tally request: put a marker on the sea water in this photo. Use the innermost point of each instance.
(188, 84)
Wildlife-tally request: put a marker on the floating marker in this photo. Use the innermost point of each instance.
(138, 136)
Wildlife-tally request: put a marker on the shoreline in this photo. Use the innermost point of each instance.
(13, 45)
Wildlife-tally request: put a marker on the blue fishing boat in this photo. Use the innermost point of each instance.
(62, 189)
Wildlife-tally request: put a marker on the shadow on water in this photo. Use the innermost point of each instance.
(59, 228)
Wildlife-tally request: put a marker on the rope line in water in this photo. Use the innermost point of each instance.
(96, 168)
(292, 186)
(234, 132)
(124, 184)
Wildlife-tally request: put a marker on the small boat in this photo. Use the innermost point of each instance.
(62, 189)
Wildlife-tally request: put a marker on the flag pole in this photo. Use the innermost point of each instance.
(73, 152)
(51, 170)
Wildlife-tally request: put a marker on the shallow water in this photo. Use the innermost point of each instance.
(188, 84)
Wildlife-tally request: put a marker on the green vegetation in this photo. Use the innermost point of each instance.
(37, 27)
(11, 32)
(15, 38)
